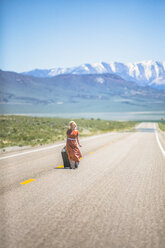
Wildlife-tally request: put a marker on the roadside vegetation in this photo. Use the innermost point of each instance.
(26, 130)
(162, 125)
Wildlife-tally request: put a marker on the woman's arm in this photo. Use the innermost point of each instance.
(66, 136)
(78, 141)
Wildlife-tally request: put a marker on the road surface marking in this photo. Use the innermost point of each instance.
(36, 150)
(158, 141)
(27, 181)
(91, 152)
(50, 147)
(60, 166)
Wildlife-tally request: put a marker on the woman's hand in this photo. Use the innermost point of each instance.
(80, 145)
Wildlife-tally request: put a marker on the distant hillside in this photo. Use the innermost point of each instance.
(77, 93)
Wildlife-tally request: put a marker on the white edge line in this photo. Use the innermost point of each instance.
(50, 147)
(36, 150)
(158, 141)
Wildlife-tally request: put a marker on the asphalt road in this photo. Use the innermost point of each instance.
(115, 199)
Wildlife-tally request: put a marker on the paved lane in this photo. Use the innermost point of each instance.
(16, 167)
(115, 199)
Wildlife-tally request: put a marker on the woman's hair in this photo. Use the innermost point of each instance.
(73, 123)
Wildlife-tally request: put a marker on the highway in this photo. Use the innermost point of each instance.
(115, 199)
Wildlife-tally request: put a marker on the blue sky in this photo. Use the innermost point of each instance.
(56, 33)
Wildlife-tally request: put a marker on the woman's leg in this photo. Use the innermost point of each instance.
(72, 164)
(76, 164)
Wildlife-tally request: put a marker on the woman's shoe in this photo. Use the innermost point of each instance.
(72, 165)
(76, 164)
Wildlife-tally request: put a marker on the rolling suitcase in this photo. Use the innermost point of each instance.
(65, 157)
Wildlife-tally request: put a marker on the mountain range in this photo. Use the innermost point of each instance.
(145, 73)
(73, 93)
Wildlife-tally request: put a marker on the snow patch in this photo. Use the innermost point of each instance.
(158, 81)
(100, 80)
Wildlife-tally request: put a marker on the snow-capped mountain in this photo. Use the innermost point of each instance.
(83, 93)
(144, 73)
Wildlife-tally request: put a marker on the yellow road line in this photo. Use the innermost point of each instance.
(91, 152)
(27, 181)
(60, 166)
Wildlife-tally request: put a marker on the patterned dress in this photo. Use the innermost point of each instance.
(71, 145)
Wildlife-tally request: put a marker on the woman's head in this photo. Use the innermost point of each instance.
(72, 124)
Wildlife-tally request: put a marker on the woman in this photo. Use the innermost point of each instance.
(72, 149)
